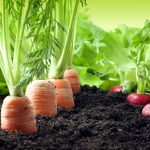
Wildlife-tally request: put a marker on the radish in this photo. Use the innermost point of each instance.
(146, 110)
(117, 88)
(142, 69)
(138, 99)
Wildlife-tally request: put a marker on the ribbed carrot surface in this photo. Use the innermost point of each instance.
(42, 95)
(73, 78)
(64, 94)
(17, 114)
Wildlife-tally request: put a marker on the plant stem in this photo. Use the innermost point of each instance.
(18, 42)
(6, 39)
(5, 50)
(16, 91)
(72, 45)
(59, 34)
(62, 63)
(140, 70)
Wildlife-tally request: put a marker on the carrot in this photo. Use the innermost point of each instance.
(42, 95)
(64, 96)
(73, 78)
(17, 114)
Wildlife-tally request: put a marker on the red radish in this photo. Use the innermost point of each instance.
(117, 88)
(138, 99)
(146, 110)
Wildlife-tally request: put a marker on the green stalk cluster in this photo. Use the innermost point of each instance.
(21, 24)
(10, 63)
(140, 44)
(66, 15)
(36, 34)
(140, 70)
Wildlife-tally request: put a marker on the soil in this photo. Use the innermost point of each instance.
(100, 121)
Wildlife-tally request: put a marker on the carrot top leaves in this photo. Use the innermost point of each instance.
(21, 23)
(66, 14)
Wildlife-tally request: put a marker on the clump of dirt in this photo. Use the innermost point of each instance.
(99, 121)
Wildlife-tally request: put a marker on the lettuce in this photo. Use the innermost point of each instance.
(106, 52)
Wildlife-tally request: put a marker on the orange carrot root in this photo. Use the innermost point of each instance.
(42, 95)
(17, 114)
(64, 94)
(73, 78)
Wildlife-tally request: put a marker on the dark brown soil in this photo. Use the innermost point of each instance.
(98, 122)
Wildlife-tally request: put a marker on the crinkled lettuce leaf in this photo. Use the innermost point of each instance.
(106, 52)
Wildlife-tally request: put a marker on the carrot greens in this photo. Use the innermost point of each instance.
(21, 22)
(66, 14)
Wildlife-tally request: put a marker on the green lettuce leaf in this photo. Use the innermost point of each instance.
(106, 52)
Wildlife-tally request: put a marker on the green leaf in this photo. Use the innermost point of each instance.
(105, 55)
(3, 88)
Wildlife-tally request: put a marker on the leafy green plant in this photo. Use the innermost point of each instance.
(21, 23)
(140, 53)
(104, 52)
(66, 14)
(42, 44)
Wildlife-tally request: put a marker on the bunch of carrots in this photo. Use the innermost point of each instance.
(38, 35)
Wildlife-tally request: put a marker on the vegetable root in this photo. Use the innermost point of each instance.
(42, 95)
(138, 99)
(73, 78)
(117, 88)
(17, 114)
(64, 95)
(146, 110)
